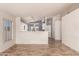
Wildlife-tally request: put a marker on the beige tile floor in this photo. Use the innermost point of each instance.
(54, 48)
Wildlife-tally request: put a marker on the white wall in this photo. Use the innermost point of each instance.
(56, 27)
(8, 44)
(70, 30)
(22, 27)
(30, 37)
(0, 31)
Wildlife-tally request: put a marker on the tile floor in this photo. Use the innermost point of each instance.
(54, 48)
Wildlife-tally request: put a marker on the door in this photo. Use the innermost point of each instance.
(7, 30)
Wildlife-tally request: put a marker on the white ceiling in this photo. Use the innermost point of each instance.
(34, 9)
